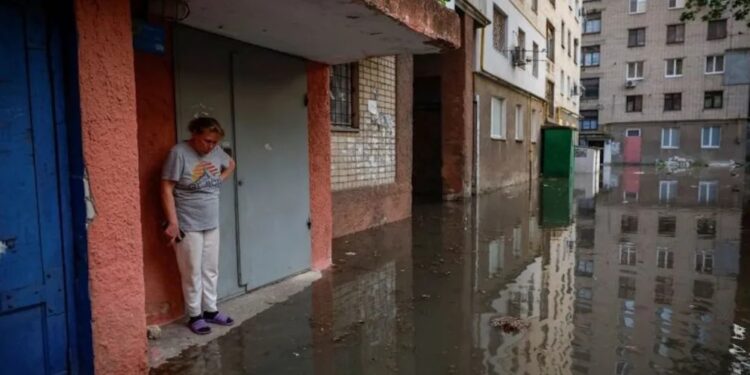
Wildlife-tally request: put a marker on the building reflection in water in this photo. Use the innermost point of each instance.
(525, 271)
(656, 267)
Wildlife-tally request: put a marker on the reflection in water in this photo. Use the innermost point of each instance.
(661, 254)
(639, 278)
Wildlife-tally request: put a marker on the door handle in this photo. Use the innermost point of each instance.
(239, 182)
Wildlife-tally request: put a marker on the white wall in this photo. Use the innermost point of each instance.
(499, 64)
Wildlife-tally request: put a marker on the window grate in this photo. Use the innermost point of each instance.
(342, 95)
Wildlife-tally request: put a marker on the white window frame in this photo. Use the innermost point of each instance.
(497, 118)
(519, 122)
(705, 188)
(630, 252)
(593, 21)
(588, 57)
(667, 190)
(672, 142)
(663, 255)
(640, 6)
(678, 4)
(635, 196)
(709, 143)
(701, 258)
(562, 83)
(496, 252)
(674, 66)
(627, 131)
(635, 65)
(517, 239)
(713, 70)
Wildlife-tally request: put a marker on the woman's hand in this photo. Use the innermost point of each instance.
(171, 232)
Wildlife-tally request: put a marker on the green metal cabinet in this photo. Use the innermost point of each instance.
(557, 152)
(556, 202)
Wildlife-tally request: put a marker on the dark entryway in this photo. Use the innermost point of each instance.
(427, 141)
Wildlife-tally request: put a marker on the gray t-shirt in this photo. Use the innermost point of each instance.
(198, 180)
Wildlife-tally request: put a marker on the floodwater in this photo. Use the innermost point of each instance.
(637, 273)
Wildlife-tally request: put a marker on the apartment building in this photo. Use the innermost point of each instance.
(656, 87)
(562, 23)
(526, 77)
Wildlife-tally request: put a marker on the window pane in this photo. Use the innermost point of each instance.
(706, 228)
(667, 226)
(629, 224)
(498, 30)
(341, 95)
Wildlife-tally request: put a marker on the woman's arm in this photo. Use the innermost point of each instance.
(167, 201)
(228, 170)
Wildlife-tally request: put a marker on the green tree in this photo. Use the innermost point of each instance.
(715, 9)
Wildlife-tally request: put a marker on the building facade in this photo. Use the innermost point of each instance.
(655, 87)
(525, 78)
(106, 89)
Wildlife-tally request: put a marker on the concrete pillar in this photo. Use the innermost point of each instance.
(110, 150)
(457, 117)
(319, 138)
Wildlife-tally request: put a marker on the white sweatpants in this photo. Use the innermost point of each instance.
(198, 261)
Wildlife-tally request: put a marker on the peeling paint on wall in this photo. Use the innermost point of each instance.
(89, 199)
(201, 110)
(5, 246)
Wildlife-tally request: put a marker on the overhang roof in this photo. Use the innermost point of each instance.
(332, 31)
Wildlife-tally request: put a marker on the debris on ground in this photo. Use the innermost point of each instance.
(723, 164)
(676, 164)
(509, 324)
(350, 253)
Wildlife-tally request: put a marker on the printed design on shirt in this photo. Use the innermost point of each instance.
(204, 175)
(204, 168)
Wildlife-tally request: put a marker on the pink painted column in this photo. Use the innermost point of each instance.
(319, 148)
(457, 123)
(110, 148)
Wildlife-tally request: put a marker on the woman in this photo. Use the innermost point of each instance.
(191, 180)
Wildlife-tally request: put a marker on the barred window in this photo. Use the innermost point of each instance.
(500, 31)
(343, 106)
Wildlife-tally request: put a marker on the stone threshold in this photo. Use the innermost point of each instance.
(176, 337)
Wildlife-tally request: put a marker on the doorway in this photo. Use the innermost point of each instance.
(632, 146)
(427, 181)
(258, 95)
(38, 274)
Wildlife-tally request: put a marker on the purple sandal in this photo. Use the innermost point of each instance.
(221, 319)
(200, 327)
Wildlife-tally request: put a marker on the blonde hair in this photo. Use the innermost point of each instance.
(200, 125)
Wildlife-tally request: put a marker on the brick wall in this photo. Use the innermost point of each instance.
(366, 156)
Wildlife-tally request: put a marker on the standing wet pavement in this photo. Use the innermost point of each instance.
(645, 276)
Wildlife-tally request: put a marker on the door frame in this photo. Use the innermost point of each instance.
(72, 184)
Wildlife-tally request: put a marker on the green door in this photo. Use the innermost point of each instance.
(557, 152)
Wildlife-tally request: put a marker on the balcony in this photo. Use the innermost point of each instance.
(331, 31)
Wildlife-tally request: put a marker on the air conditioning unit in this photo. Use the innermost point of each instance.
(630, 84)
(518, 57)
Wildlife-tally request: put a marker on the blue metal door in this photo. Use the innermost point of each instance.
(33, 322)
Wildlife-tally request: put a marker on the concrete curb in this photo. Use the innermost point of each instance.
(176, 337)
